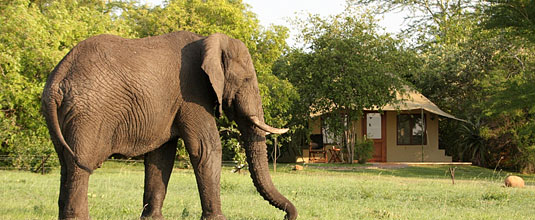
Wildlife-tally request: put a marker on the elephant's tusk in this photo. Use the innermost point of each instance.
(266, 127)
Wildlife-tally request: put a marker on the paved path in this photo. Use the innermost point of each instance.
(367, 166)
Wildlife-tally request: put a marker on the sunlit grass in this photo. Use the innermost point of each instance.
(415, 192)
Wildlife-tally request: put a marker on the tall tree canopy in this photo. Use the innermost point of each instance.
(511, 108)
(34, 36)
(343, 67)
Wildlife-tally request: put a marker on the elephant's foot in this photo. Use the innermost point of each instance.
(213, 217)
(149, 213)
(151, 217)
(74, 217)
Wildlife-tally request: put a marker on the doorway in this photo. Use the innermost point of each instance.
(374, 127)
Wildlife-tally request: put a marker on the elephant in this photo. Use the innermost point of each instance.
(112, 95)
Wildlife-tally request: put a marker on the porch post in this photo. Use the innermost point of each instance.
(423, 131)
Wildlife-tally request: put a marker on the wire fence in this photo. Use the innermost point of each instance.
(34, 163)
(41, 163)
(45, 163)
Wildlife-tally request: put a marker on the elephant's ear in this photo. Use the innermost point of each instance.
(213, 65)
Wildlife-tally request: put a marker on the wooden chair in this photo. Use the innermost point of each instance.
(335, 155)
(316, 150)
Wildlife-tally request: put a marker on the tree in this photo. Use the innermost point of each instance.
(516, 14)
(436, 21)
(345, 66)
(512, 106)
(34, 36)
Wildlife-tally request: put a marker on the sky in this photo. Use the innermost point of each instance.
(278, 12)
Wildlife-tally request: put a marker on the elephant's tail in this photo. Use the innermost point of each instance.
(51, 108)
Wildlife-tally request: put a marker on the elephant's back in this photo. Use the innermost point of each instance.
(110, 57)
(108, 64)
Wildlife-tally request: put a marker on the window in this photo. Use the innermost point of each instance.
(329, 136)
(411, 129)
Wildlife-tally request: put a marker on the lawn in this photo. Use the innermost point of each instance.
(353, 192)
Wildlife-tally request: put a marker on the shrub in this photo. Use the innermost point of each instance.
(363, 150)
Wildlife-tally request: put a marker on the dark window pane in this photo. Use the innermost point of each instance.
(411, 129)
(404, 129)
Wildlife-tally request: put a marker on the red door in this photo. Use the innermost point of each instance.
(374, 127)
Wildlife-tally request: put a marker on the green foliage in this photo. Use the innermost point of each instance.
(345, 65)
(34, 36)
(470, 79)
(230, 142)
(518, 14)
(182, 155)
(364, 150)
(473, 139)
(511, 106)
(438, 22)
(473, 59)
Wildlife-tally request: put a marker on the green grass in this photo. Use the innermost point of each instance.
(415, 192)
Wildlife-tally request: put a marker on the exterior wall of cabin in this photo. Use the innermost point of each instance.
(395, 152)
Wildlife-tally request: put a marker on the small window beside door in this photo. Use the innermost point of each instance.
(411, 129)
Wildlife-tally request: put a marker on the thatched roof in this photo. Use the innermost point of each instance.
(410, 100)
(413, 100)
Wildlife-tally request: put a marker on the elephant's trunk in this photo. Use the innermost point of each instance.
(249, 116)
(255, 148)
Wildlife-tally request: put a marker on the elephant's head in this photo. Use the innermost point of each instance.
(229, 67)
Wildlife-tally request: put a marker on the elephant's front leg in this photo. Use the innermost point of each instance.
(201, 137)
(158, 167)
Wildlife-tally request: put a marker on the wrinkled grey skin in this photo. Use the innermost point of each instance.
(111, 95)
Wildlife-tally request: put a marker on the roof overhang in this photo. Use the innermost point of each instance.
(408, 101)
(413, 100)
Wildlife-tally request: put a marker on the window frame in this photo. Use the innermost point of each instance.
(412, 122)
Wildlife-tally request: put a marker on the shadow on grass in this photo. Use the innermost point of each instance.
(462, 172)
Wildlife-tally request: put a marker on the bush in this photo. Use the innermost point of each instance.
(34, 36)
(363, 150)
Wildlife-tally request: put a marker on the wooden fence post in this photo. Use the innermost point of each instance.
(43, 161)
(452, 174)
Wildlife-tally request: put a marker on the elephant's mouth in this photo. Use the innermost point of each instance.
(263, 126)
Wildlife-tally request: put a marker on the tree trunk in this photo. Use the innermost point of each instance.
(350, 137)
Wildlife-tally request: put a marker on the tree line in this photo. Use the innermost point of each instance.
(474, 59)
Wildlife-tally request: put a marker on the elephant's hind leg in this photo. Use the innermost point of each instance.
(73, 190)
(158, 167)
